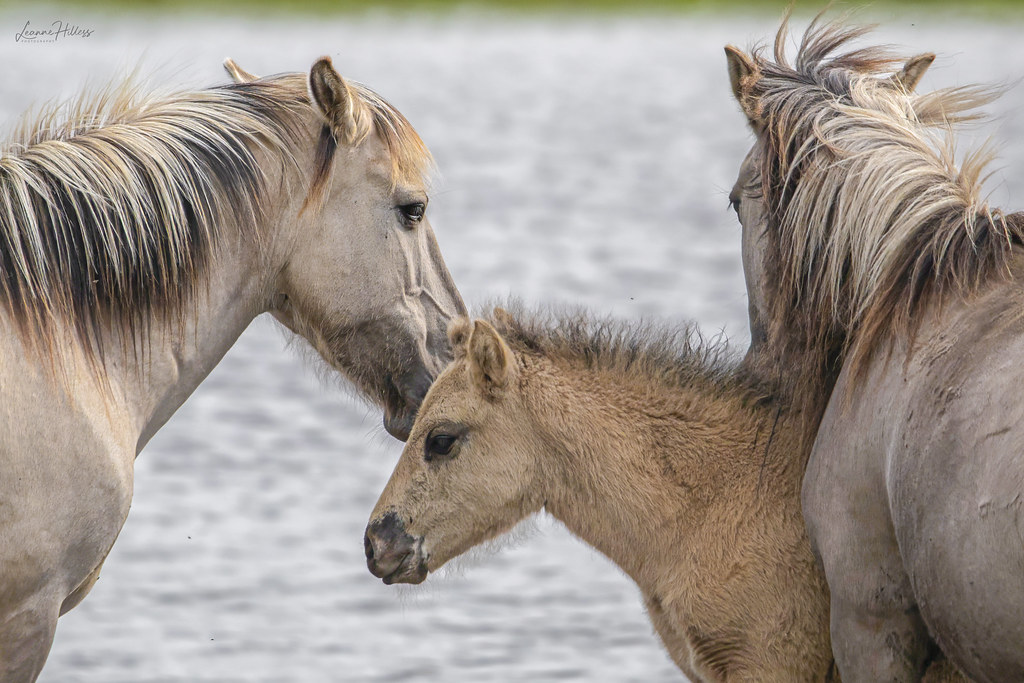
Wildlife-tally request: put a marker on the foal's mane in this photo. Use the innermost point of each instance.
(110, 203)
(870, 220)
(659, 355)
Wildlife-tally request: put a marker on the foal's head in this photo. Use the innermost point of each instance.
(470, 470)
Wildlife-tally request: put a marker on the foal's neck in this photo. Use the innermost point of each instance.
(636, 468)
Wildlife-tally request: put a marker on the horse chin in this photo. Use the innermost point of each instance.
(413, 572)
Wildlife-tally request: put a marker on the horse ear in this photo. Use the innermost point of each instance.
(333, 98)
(908, 77)
(742, 74)
(458, 336)
(490, 359)
(237, 73)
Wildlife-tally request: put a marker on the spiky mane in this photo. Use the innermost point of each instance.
(669, 356)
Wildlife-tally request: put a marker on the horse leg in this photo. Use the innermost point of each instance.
(877, 631)
(26, 635)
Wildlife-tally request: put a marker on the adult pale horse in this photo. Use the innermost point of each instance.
(139, 236)
(882, 286)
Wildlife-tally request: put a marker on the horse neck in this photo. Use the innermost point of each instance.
(239, 285)
(803, 378)
(165, 368)
(634, 470)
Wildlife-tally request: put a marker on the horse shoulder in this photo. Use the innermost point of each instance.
(67, 479)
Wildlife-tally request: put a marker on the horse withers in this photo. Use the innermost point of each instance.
(886, 294)
(139, 236)
(652, 447)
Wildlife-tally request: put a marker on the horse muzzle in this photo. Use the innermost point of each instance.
(404, 396)
(391, 553)
(398, 422)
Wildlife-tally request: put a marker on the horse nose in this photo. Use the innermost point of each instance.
(387, 545)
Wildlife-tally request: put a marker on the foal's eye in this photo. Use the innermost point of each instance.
(439, 445)
(413, 213)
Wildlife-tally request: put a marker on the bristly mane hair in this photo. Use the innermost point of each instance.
(869, 218)
(109, 203)
(673, 357)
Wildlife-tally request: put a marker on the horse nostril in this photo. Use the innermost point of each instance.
(368, 546)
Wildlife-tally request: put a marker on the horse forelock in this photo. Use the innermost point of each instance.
(411, 161)
(869, 215)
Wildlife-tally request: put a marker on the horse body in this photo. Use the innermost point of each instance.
(919, 512)
(87, 381)
(679, 473)
(885, 296)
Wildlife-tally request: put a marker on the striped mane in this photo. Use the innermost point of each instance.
(870, 219)
(110, 203)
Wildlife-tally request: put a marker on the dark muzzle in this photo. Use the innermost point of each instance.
(391, 553)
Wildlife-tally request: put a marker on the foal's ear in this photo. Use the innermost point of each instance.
(908, 77)
(458, 336)
(237, 73)
(490, 359)
(333, 98)
(742, 75)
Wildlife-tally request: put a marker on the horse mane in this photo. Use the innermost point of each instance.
(673, 357)
(110, 202)
(870, 219)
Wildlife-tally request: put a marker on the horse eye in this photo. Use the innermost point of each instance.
(438, 445)
(734, 201)
(413, 213)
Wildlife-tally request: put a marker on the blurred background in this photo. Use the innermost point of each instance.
(586, 151)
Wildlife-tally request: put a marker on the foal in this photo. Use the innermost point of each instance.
(649, 447)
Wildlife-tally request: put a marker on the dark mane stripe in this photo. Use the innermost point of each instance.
(109, 217)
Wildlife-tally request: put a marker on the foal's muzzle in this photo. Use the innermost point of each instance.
(391, 553)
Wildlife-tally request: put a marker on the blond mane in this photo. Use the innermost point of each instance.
(110, 203)
(870, 218)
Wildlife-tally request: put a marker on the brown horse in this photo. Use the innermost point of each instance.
(649, 446)
(883, 286)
